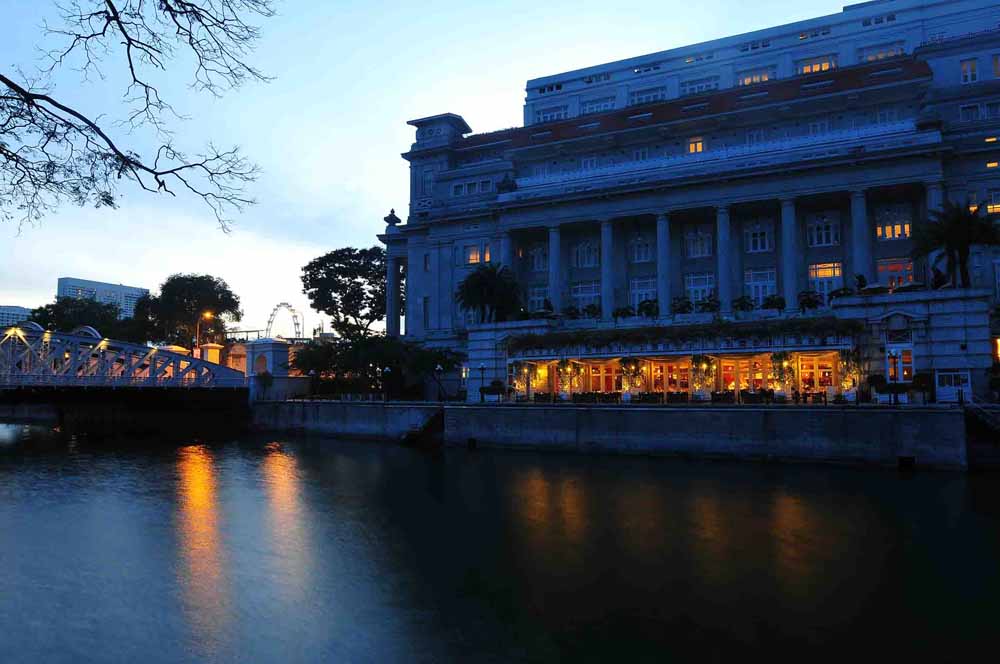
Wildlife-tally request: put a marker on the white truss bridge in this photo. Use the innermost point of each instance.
(33, 357)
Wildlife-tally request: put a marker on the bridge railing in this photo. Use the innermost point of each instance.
(29, 380)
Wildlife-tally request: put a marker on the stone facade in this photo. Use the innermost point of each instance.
(792, 159)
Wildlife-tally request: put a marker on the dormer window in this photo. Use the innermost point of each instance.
(696, 145)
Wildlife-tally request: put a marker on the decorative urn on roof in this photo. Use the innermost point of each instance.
(391, 219)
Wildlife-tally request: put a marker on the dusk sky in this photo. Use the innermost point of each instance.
(327, 132)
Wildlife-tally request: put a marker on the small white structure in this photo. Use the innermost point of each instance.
(268, 367)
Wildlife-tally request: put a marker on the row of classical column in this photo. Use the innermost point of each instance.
(791, 254)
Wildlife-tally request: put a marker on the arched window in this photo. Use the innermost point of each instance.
(640, 250)
(586, 254)
(260, 364)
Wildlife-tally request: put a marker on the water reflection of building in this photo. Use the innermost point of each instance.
(202, 577)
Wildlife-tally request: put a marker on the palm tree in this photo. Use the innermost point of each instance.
(491, 292)
(953, 231)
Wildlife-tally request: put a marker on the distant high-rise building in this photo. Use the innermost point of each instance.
(123, 296)
(11, 315)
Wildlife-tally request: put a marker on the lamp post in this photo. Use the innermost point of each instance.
(385, 383)
(438, 370)
(205, 315)
(482, 386)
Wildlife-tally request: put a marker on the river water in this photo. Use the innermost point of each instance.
(293, 550)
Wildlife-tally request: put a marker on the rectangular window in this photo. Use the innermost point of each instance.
(758, 237)
(640, 250)
(825, 278)
(696, 145)
(699, 286)
(758, 284)
(426, 311)
(641, 289)
(993, 201)
(880, 52)
(698, 85)
(972, 201)
(485, 186)
(756, 136)
(539, 258)
(640, 154)
(471, 254)
(969, 113)
(893, 222)
(486, 252)
(996, 66)
(471, 188)
(895, 272)
(818, 127)
(817, 65)
(970, 71)
(647, 95)
(698, 244)
(993, 110)
(536, 298)
(597, 105)
(457, 189)
(823, 230)
(992, 164)
(588, 163)
(551, 114)
(586, 254)
(755, 76)
(886, 115)
(427, 262)
(584, 293)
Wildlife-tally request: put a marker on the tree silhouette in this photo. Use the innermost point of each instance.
(52, 152)
(953, 231)
(492, 292)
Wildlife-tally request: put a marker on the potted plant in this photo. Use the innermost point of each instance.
(681, 305)
(571, 312)
(877, 383)
(632, 376)
(775, 303)
(810, 299)
(841, 292)
(649, 309)
(592, 311)
(702, 377)
(744, 304)
(622, 312)
(783, 374)
(709, 305)
(923, 383)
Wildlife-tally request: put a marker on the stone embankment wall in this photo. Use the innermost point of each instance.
(929, 436)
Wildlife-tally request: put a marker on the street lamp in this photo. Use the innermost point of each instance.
(482, 393)
(438, 370)
(205, 315)
(385, 383)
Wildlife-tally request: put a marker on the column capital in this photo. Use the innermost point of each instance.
(859, 193)
(722, 209)
(787, 200)
(663, 215)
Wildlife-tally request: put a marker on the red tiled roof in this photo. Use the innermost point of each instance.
(783, 90)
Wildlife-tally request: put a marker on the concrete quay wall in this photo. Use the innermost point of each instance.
(370, 420)
(933, 437)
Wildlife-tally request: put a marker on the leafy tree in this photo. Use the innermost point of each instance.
(952, 231)
(184, 298)
(491, 292)
(52, 153)
(349, 285)
(67, 313)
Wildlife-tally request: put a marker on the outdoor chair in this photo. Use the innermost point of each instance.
(677, 397)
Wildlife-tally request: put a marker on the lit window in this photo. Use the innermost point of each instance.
(698, 244)
(895, 272)
(585, 293)
(992, 164)
(900, 364)
(825, 278)
(755, 76)
(991, 139)
(586, 254)
(823, 230)
(597, 105)
(970, 71)
(647, 95)
(699, 286)
(696, 145)
(641, 289)
(817, 65)
(536, 298)
(486, 252)
(892, 222)
(993, 202)
(759, 284)
(758, 237)
(881, 52)
(640, 250)
(471, 254)
(972, 201)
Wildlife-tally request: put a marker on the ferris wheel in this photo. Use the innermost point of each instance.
(296, 319)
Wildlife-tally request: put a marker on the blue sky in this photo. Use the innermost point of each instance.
(327, 132)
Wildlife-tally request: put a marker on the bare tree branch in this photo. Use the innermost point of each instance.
(51, 153)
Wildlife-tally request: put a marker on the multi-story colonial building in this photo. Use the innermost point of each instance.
(797, 158)
(125, 297)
